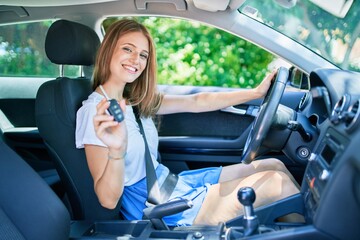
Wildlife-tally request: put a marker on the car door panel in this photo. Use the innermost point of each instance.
(20, 112)
(17, 120)
(210, 138)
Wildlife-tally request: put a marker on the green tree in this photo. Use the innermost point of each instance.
(346, 30)
(312, 26)
(22, 51)
(190, 53)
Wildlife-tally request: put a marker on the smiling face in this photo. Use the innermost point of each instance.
(129, 58)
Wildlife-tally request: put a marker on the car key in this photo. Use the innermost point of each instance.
(114, 108)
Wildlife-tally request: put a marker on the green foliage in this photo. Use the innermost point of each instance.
(190, 53)
(22, 51)
(336, 39)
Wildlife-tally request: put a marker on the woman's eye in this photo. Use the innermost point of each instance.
(144, 56)
(126, 49)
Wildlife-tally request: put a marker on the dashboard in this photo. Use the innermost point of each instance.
(331, 184)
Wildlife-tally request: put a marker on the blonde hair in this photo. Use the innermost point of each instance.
(143, 91)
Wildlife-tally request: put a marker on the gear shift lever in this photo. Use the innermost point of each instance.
(246, 196)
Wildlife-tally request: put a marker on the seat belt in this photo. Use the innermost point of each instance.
(156, 195)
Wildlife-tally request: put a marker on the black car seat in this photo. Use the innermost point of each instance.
(57, 101)
(11, 134)
(29, 209)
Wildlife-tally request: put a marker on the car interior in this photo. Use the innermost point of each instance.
(314, 131)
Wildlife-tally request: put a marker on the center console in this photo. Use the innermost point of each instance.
(140, 229)
(320, 167)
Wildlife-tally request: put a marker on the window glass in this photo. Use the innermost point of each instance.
(22, 52)
(191, 53)
(330, 28)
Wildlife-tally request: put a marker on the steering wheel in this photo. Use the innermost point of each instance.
(262, 123)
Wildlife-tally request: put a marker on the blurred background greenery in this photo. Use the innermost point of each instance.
(188, 53)
(191, 53)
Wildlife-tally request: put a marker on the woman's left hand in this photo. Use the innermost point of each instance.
(263, 87)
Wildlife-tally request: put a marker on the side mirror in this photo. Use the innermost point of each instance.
(299, 79)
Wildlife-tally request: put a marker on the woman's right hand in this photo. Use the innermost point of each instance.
(112, 133)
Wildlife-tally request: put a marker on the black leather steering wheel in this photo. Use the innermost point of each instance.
(262, 123)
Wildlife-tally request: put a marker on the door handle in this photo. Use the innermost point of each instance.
(234, 110)
(251, 110)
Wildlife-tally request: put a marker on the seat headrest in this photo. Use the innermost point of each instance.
(71, 43)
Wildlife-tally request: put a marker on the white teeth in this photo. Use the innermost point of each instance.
(130, 68)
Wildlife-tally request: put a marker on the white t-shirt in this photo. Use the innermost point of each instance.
(135, 155)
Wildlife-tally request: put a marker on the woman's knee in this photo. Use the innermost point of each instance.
(284, 183)
(276, 164)
(277, 186)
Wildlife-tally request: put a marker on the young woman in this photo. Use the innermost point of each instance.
(125, 69)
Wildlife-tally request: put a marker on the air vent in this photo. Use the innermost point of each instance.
(338, 110)
(352, 117)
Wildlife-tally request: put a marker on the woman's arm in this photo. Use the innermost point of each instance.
(204, 102)
(107, 164)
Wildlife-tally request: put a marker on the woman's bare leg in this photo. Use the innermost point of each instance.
(241, 170)
(221, 203)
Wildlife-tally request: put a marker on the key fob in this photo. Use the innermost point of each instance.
(115, 110)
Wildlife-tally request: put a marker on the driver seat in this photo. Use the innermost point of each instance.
(57, 102)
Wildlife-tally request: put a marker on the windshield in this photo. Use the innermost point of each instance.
(331, 28)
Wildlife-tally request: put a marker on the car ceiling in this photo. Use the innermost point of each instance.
(47, 3)
(32, 10)
(208, 5)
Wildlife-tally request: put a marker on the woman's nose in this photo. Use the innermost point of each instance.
(135, 57)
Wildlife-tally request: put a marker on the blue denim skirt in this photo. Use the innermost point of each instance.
(192, 185)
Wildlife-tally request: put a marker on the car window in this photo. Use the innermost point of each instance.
(329, 28)
(22, 52)
(195, 54)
